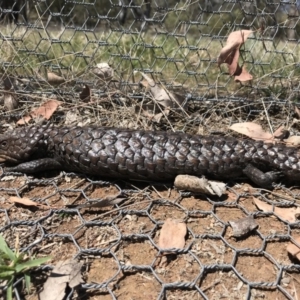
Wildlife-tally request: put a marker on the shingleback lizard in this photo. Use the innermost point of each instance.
(145, 155)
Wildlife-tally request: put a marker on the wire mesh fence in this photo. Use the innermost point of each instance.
(175, 42)
(50, 49)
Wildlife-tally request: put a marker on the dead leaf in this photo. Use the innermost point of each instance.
(104, 71)
(10, 101)
(72, 117)
(230, 54)
(243, 226)
(46, 110)
(252, 130)
(27, 202)
(85, 94)
(161, 102)
(255, 132)
(199, 185)
(241, 74)
(287, 214)
(160, 94)
(293, 140)
(281, 133)
(9, 83)
(231, 196)
(54, 79)
(172, 234)
(293, 249)
(64, 273)
(151, 114)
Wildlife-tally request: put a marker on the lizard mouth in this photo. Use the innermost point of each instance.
(6, 158)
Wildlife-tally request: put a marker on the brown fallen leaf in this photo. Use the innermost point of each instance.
(54, 79)
(241, 74)
(293, 249)
(9, 82)
(65, 273)
(255, 131)
(288, 214)
(243, 226)
(85, 94)
(230, 54)
(10, 101)
(172, 234)
(154, 114)
(251, 130)
(293, 140)
(27, 202)
(162, 100)
(281, 133)
(72, 117)
(104, 71)
(160, 94)
(46, 110)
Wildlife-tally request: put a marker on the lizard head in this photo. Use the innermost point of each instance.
(21, 144)
(10, 150)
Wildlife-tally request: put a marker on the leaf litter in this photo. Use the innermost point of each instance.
(256, 132)
(230, 54)
(162, 100)
(293, 249)
(46, 110)
(65, 273)
(28, 202)
(290, 214)
(243, 226)
(54, 79)
(11, 100)
(104, 71)
(85, 94)
(172, 234)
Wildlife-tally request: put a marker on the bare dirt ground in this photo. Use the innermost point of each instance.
(119, 244)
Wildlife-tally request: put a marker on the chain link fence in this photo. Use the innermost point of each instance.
(51, 49)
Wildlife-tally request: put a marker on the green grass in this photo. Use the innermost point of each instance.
(14, 263)
(184, 58)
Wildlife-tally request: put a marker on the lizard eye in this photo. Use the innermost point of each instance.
(3, 144)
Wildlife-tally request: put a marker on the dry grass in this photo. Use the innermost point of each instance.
(183, 62)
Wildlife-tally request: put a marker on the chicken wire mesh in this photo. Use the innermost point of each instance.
(176, 43)
(120, 246)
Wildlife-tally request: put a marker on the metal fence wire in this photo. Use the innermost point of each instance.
(176, 44)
